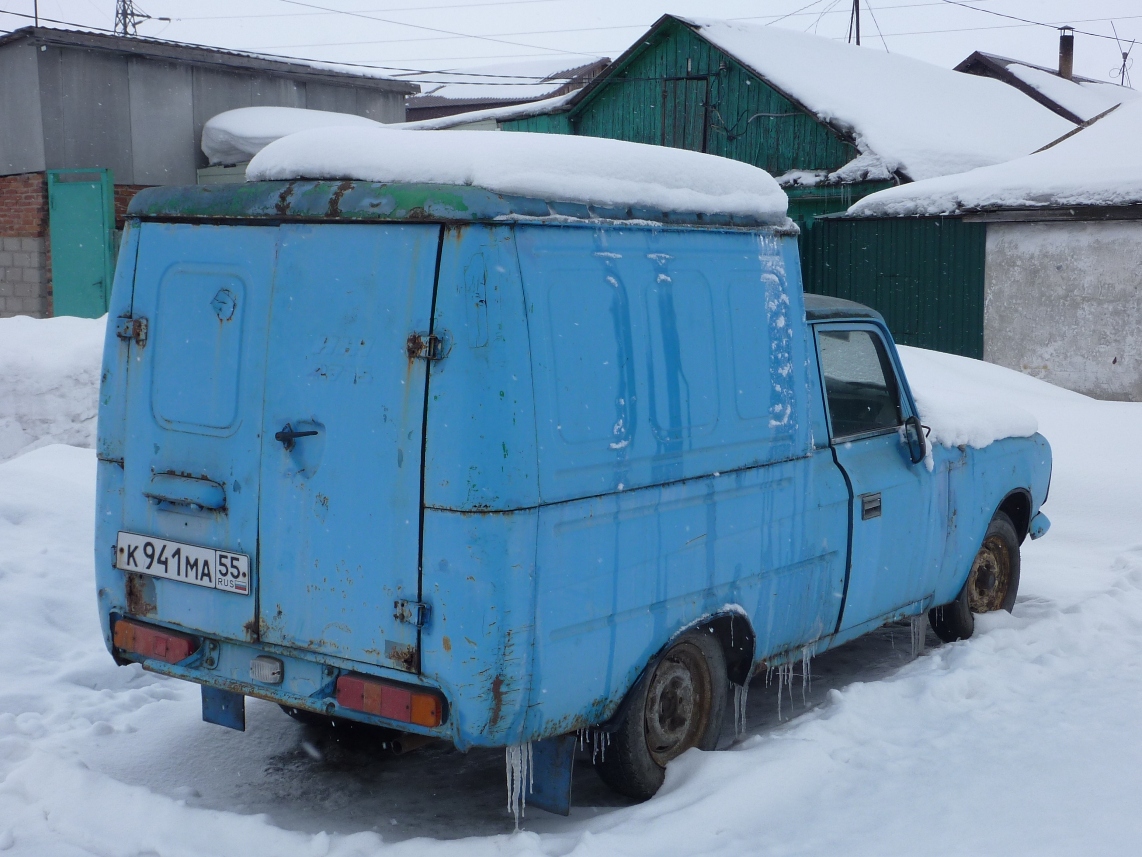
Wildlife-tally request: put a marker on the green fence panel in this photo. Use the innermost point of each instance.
(923, 274)
(81, 224)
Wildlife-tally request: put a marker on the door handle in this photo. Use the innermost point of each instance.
(287, 436)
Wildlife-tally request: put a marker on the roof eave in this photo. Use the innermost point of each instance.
(202, 55)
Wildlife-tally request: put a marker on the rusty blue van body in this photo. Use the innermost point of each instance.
(494, 453)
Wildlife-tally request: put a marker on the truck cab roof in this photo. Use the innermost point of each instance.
(827, 308)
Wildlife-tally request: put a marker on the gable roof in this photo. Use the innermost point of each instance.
(916, 119)
(1100, 166)
(202, 55)
(1076, 99)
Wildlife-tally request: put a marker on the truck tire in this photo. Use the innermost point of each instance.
(992, 583)
(678, 703)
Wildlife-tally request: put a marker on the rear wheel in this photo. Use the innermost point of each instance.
(992, 583)
(677, 704)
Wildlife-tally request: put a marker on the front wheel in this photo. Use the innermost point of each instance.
(992, 583)
(677, 704)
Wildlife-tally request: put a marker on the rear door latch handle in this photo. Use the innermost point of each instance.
(870, 506)
(287, 436)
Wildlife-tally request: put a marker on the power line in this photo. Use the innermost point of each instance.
(876, 24)
(432, 29)
(963, 5)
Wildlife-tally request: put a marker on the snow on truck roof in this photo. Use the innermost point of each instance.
(914, 117)
(235, 136)
(590, 170)
(1101, 165)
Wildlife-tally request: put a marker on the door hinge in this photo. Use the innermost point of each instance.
(412, 612)
(132, 328)
(428, 346)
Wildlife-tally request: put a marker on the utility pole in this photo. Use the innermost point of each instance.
(854, 22)
(127, 18)
(36, 11)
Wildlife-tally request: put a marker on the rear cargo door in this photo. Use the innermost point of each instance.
(194, 414)
(343, 433)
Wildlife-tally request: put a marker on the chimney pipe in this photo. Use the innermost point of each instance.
(1066, 52)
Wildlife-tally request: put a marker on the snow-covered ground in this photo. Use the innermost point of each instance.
(1021, 741)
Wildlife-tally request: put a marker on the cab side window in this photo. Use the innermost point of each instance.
(860, 385)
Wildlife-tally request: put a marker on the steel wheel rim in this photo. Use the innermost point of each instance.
(990, 577)
(677, 706)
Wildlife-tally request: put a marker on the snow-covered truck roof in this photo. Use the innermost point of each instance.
(912, 117)
(237, 135)
(589, 170)
(1100, 165)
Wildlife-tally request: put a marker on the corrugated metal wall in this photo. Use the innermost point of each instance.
(924, 275)
(553, 123)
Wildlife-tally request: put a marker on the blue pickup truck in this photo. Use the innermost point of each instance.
(496, 470)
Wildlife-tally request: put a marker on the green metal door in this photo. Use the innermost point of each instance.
(81, 223)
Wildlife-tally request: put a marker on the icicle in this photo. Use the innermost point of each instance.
(806, 674)
(521, 777)
(741, 695)
(919, 634)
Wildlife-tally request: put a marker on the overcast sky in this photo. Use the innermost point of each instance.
(437, 34)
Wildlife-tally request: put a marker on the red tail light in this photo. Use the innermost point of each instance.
(151, 642)
(394, 701)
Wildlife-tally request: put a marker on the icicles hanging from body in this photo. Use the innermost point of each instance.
(598, 740)
(741, 696)
(521, 777)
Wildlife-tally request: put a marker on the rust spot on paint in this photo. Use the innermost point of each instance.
(335, 199)
(283, 203)
(403, 655)
(447, 643)
(497, 700)
(140, 595)
(251, 630)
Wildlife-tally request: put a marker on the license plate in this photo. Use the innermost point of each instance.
(201, 566)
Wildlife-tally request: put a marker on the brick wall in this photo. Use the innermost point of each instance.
(25, 251)
(124, 193)
(25, 276)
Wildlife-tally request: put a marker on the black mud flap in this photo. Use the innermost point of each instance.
(553, 762)
(224, 707)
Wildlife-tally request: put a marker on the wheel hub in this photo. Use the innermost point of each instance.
(990, 577)
(676, 704)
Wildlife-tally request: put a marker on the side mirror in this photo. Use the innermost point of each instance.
(914, 437)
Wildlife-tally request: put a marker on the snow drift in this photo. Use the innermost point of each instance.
(611, 173)
(49, 382)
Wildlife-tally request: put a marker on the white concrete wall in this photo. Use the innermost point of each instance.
(1063, 302)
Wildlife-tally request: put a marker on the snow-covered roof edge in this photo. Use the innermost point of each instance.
(499, 114)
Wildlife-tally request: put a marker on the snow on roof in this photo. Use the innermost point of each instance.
(918, 118)
(517, 81)
(1085, 99)
(592, 170)
(499, 114)
(237, 135)
(1100, 165)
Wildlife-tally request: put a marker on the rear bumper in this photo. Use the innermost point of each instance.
(306, 683)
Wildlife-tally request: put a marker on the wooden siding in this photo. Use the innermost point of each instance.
(551, 123)
(682, 91)
(924, 275)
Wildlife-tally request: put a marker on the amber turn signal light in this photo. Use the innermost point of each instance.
(390, 700)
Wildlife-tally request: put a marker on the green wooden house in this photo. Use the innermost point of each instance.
(833, 123)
